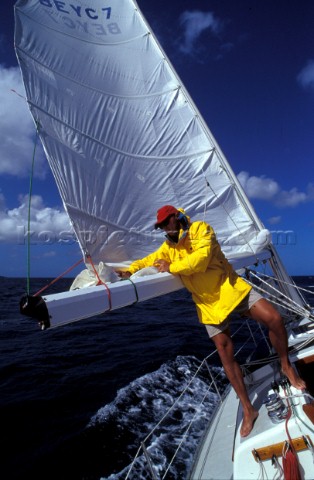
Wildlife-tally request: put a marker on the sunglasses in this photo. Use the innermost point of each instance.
(165, 222)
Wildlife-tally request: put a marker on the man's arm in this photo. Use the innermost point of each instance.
(203, 241)
(148, 261)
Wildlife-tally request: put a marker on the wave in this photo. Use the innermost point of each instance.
(141, 405)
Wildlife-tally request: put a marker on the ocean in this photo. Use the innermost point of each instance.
(77, 400)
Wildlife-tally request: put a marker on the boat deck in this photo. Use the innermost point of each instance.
(224, 454)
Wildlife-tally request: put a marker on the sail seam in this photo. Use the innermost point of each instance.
(102, 92)
(133, 155)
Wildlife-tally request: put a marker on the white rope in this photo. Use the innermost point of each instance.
(298, 395)
(279, 474)
(296, 308)
(184, 436)
(270, 359)
(262, 471)
(170, 410)
(297, 287)
(290, 301)
(283, 303)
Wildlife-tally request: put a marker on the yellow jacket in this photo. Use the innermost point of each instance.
(197, 257)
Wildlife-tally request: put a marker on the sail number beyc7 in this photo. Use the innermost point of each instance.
(76, 17)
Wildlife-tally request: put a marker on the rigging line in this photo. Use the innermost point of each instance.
(290, 462)
(295, 412)
(176, 402)
(205, 202)
(100, 282)
(58, 278)
(281, 303)
(135, 289)
(242, 197)
(29, 211)
(210, 138)
(274, 357)
(277, 301)
(207, 185)
(290, 397)
(235, 224)
(222, 160)
(195, 117)
(297, 287)
(186, 431)
(288, 301)
(299, 395)
(18, 94)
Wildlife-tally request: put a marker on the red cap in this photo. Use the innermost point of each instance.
(163, 213)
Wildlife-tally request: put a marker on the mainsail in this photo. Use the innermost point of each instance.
(120, 132)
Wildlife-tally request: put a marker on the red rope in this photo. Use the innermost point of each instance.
(18, 94)
(58, 278)
(100, 282)
(290, 463)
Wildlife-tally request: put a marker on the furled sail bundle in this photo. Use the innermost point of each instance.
(120, 132)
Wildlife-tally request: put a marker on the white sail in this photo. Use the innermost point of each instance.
(120, 132)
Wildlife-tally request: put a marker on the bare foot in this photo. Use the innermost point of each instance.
(293, 377)
(248, 423)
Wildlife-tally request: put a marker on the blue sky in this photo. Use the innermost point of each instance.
(254, 60)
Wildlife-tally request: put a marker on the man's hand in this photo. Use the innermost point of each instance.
(123, 274)
(162, 265)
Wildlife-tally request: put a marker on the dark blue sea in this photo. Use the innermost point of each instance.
(77, 400)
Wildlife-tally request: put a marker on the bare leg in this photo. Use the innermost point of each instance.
(224, 347)
(263, 312)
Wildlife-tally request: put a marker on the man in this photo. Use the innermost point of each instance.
(192, 251)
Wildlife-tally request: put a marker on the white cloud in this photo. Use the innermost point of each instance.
(195, 23)
(264, 188)
(47, 225)
(291, 198)
(258, 187)
(306, 76)
(17, 128)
